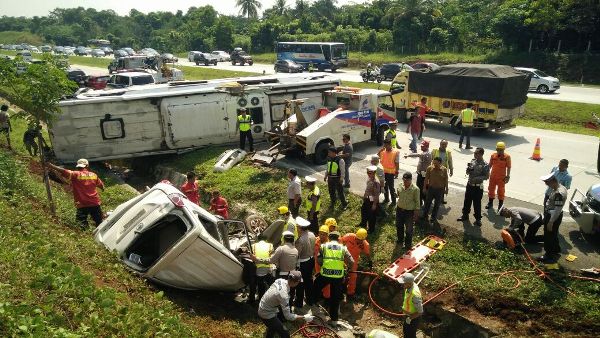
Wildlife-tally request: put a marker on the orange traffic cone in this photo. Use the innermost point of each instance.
(537, 155)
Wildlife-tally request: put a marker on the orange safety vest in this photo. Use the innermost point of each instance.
(388, 161)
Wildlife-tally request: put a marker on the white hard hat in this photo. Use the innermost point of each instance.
(82, 163)
(287, 233)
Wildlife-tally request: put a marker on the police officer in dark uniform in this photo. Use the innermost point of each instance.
(478, 170)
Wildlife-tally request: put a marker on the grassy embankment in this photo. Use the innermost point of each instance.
(14, 37)
(56, 281)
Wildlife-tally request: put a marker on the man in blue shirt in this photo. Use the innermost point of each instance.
(562, 176)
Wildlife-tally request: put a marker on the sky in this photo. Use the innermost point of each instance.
(31, 8)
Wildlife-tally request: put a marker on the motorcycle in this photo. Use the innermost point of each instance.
(371, 75)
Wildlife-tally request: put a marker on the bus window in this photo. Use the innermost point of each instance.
(339, 52)
(327, 52)
(386, 102)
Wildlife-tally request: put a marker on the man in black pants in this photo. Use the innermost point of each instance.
(244, 124)
(553, 215)
(478, 171)
(334, 176)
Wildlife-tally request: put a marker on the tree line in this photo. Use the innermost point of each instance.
(400, 26)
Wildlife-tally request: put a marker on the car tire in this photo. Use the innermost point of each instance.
(242, 63)
(206, 63)
(197, 63)
(215, 63)
(232, 63)
(542, 89)
(320, 155)
(289, 70)
(250, 63)
(256, 224)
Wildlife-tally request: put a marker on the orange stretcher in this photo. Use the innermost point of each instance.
(414, 257)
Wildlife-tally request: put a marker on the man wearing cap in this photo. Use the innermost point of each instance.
(262, 277)
(499, 175)
(313, 202)
(390, 135)
(521, 216)
(332, 256)
(294, 192)
(347, 151)
(446, 156)
(244, 124)
(84, 183)
(334, 176)
(553, 215)
(412, 305)
(285, 256)
(478, 171)
(407, 210)
(276, 298)
(368, 211)
(5, 126)
(436, 185)
(562, 176)
(390, 160)
(379, 172)
(425, 159)
(305, 245)
(357, 244)
(288, 223)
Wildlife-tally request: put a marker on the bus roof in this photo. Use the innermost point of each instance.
(311, 43)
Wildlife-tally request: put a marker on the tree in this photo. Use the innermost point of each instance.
(224, 34)
(280, 7)
(38, 92)
(249, 8)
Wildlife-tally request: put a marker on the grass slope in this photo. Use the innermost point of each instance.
(14, 37)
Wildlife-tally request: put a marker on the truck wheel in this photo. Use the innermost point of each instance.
(542, 89)
(455, 128)
(320, 156)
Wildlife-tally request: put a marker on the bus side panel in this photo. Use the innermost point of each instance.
(102, 129)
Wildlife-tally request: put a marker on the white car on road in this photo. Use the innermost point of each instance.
(221, 55)
(540, 81)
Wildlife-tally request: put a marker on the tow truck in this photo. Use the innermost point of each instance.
(311, 128)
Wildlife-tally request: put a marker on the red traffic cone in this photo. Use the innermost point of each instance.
(537, 154)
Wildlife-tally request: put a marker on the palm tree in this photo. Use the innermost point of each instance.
(280, 7)
(249, 8)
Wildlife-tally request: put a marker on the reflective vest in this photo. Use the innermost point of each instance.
(408, 305)
(244, 122)
(308, 203)
(262, 250)
(287, 225)
(388, 161)
(333, 260)
(393, 132)
(467, 116)
(436, 153)
(333, 167)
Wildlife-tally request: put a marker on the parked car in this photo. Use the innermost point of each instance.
(81, 51)
(77, 75)
(191, 54)
(389, 70)
(26, 55)
(97, 81)
(425, 66)
(221, 55)
(205, 59)
(540, 81)
(288, 66)
(121, 53)
(129, 50)
(168, 57)
(107, 50)
(97, 53)
(69, 51)
(149, 52)
(34, 50)
(241, 57)
(46, 49)
(128, 79)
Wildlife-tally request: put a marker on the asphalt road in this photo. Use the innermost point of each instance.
(566, 93)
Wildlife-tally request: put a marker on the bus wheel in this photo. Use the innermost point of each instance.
(320, 156)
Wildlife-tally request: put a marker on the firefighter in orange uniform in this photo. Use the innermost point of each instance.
(356, 243)
(499, 175)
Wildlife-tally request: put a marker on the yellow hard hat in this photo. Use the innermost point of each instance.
(283, 210)
(361, 233)
(500, 145)
(330, 222)
(324, 229)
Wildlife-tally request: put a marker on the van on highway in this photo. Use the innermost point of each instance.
(540, 81)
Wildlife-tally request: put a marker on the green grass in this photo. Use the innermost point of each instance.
(13, 37)
(208, 73)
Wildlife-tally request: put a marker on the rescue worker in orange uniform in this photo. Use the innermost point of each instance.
(356, 243)
(324, 230)
(499, 175)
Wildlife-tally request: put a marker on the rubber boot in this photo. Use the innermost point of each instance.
(490, 204)
(500, 204)
(408, 242)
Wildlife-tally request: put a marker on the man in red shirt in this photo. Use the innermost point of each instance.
(84, 183)
(190, 188)
(422, 109)
(218, 205)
